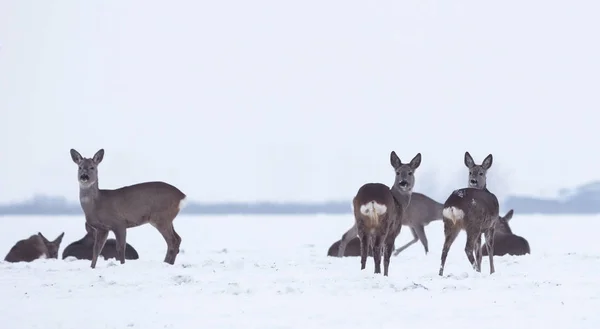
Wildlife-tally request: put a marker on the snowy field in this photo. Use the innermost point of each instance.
(272, 272)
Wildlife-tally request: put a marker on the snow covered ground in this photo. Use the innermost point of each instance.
(273, 272)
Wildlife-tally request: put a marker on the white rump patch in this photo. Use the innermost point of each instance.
(43, 256)
(373, 208)
(182, 203)
(454, 214)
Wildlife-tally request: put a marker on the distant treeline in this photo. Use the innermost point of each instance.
(582, 200)
(198, 209)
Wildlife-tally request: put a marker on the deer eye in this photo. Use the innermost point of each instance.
(91, 168)
(410, 173)
(480, 174)
(470, 173)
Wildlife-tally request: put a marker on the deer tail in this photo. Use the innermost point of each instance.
(453, 213)
(373, 211)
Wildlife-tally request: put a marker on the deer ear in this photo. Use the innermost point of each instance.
(416, 161)
(76, 156)
(59, 238)
(508, 215)
(469, 160)
(43, 237)
(98, 156)
(395, 160)
(487, 162)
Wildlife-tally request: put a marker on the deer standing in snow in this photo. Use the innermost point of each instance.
(474, 209)
(421, 211)
(378, 212)
(156, 203)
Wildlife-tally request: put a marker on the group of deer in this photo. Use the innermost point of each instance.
(381, 211)
(156, 203)
(38, 246)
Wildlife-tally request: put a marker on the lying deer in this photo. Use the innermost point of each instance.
(83, 248)
(475, 210)
(34, 247)
(379, 211)
(505, 242)
(421, 211)
(352, 248)
(156, 203)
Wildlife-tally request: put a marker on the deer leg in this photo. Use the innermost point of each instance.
(388, 249)
(450, 232)
(120, 236)
(172, 240)
(364, 249)
(478, 252)
(100, 236)
(414, 240)
(178, 239)
(351, 233)
(377, 253)
(489, 242)
(420, 230)
(471, 237)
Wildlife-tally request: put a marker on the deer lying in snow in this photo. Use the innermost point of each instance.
(505, 242)
(421, 211)
(34, 247)
(474, 209)
(352, 248)
(82, 249)
(379, 210)
(156, 203)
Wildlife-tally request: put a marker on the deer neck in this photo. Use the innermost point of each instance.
(88, 195)
(485, 187)
(402, 198)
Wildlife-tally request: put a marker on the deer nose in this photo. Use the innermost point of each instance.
(84, 177)
(403, 183)
(473, 182)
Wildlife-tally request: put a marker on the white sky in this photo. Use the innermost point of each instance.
(297, 100)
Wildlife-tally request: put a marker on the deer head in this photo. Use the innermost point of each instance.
(478, 173)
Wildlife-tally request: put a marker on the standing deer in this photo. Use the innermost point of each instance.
(378, 212)
(474, 209)
(421, 211)
(505, 242)
(157, 203)
(34, 247)
(83, 248)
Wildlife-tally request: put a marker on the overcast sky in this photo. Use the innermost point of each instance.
(297, 100)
